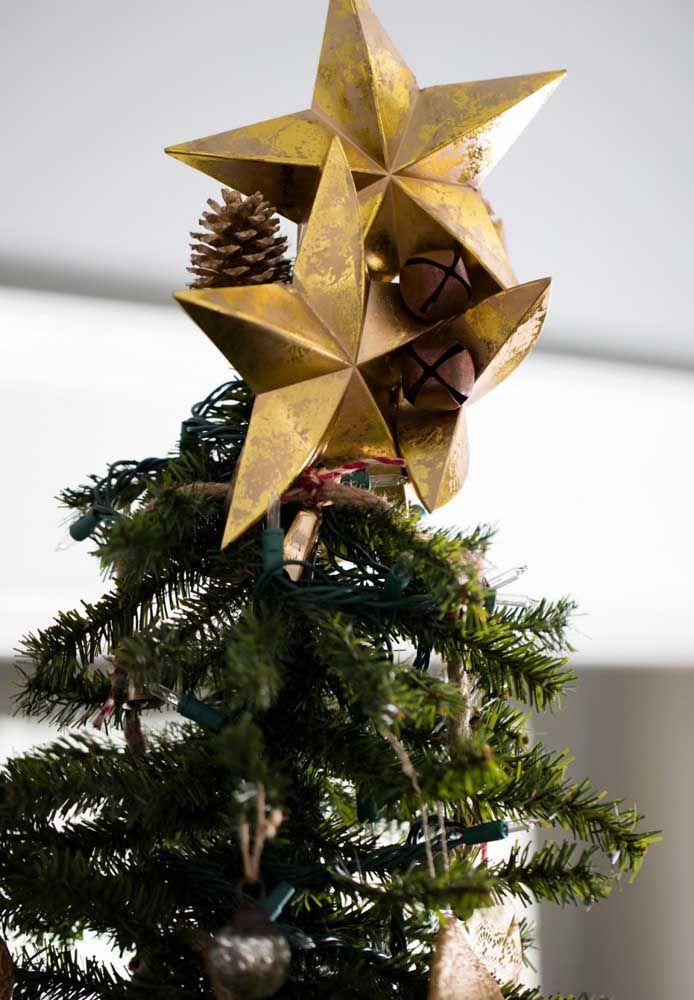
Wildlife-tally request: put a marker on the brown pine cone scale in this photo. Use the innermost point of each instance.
(241, 245)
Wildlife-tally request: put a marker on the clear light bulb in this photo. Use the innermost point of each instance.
(507, 577)
(523, 826)
(164, 694)
(517, 601)
(65, 543)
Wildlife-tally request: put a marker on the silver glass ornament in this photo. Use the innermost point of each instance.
(250, 957)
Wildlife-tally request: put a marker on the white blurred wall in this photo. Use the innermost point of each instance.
(631, 733)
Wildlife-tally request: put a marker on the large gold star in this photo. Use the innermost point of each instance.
(319, 355)
(416, 155)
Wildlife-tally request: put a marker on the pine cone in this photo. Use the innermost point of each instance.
(241, 247)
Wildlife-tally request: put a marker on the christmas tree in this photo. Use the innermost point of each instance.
(352, 689)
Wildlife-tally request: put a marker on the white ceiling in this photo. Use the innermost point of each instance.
(597, 192)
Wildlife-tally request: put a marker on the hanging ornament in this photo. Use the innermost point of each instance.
(137, 967)
(250, 958)
(318, 355)
(435, 284)
(457, 973)
(496, 940)
(417, 155)
(7, 977)
(438, 373)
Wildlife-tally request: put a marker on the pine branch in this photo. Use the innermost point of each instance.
(507, 655)
(443, 564)
(61, 683)
(551, 874)
(536, 787)
(186, 786)
(463, 889)
(63, 654)
(56, 974)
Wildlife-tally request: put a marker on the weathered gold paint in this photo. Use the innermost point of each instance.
(459, 132)
(321, 361)
(399, 173)
(360, 428)
(389, 324)
(273, 336)
(435, 448)
(286, 430)
(461, 211)
(392, 132)
(364, 86)
(329, 271)
(501, 331)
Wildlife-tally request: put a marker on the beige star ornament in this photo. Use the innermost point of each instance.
(321, 356)
(417, 156)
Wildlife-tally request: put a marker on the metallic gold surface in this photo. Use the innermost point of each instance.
(499, 333)
(272, 334)
(389, 324)
(436, 451)
(364, 88)
(457, 973)
(459, 132)
(427, 147)
(332, 244)
(286, 430)
(463, 216)
(314, 352)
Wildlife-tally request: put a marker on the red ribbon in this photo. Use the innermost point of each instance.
(109, 705)
(313, 480)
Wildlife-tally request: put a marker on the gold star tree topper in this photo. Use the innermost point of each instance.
(417, 155)
(319, 354)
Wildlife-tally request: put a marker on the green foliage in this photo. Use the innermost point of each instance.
(519, 653)
(312, 676)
